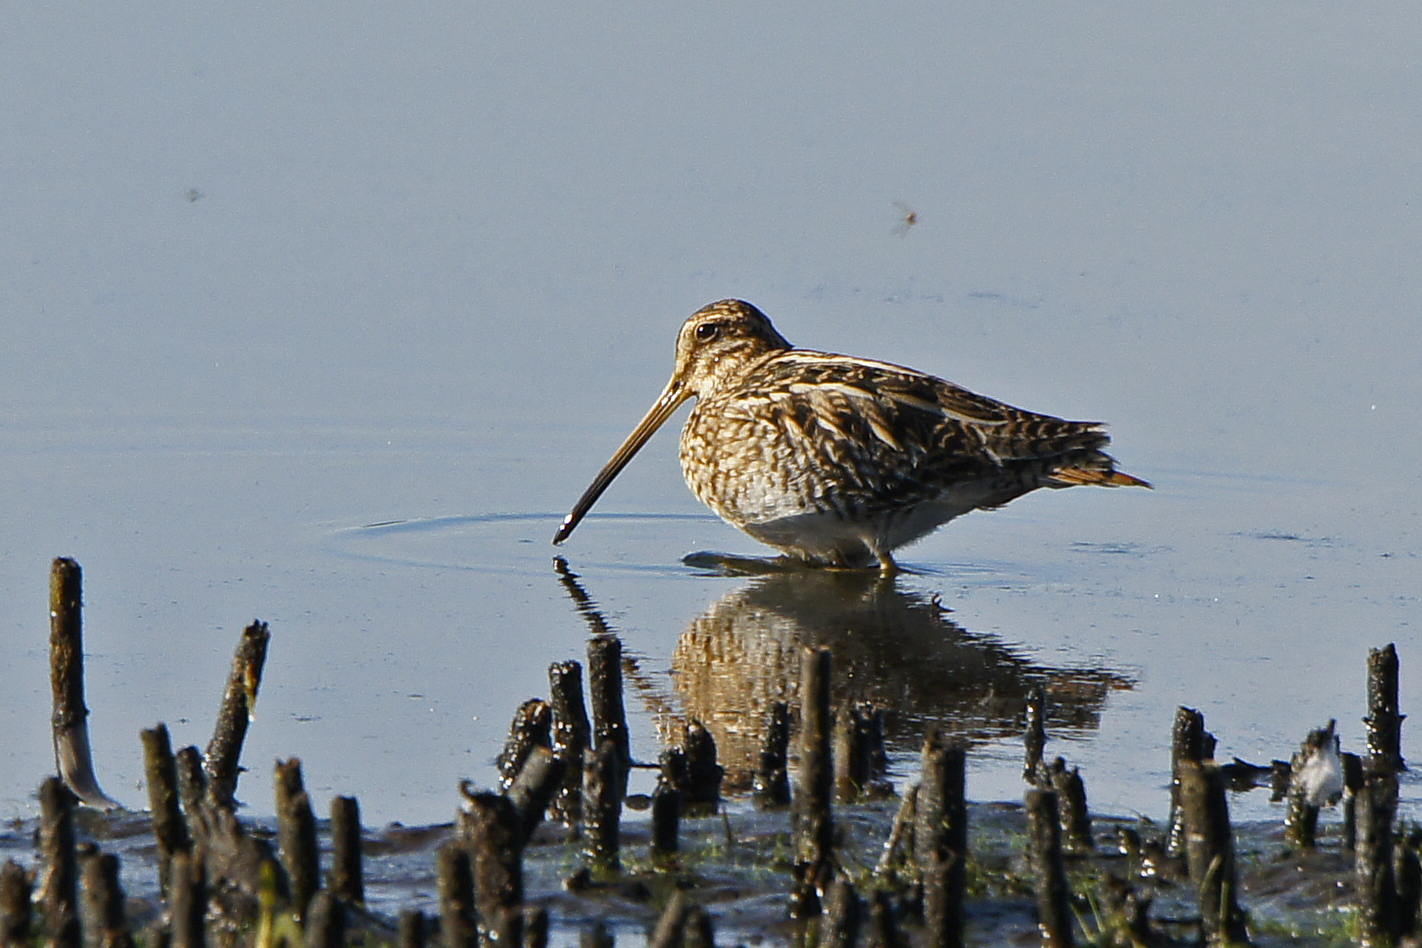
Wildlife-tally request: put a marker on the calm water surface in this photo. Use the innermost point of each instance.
(326, 318)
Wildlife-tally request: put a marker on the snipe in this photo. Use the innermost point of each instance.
(839, 461)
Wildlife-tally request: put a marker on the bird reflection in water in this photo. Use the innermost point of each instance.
(893, 648)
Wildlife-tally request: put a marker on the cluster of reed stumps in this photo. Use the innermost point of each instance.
(224, 883)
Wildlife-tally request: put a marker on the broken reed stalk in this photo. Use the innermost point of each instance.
(1189, 742)
(296, 835)
(59, 892)
(531, 727)
(535, 927)
(454, 871)
(239, 700)
(858, 751)
(1407, 870)
(1353, 775)
(325, 922)
(683, 924)
(346, 879)
(839, 925)
(603, 774)
(1034, 738)
(703, 773)
(532, 791)
(105, 923)
(597, 935)
(192, 791)
(609, 718)
(73, 758)
(1071, 802)
(1378, 909)
(666, 821)
(883, 928)
(941, 838)
(1044, 852)
(413, 929)
(772, 777)
(16, 887)
(1209, 845)
(1311, 769)
(161, 774)
(491, 827)
(900, 845)
(1384, 720)
(571, 735)
(813, 826)
(187, 902)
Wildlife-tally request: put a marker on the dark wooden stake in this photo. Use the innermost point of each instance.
(941, 838)
(603, 774)
(59, 893)
(609, 718)
(1071, 801)
(455, 873)
(1209, 843)
(161, 773)
(1044, 852)
(772, 777)
(296, 835)
(493, 830)
(571, 736)
(73, 758)
(104, 920)
(221, 762)
(346, 880)
(1384, 720)
(813, 825)
(16, 887)
(1378, 918)
(531, 727)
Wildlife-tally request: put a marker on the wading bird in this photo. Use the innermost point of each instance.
(838, 461)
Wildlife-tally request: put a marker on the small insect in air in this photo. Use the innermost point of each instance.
(907, 218)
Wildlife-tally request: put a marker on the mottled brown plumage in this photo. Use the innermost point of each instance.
(839, 461)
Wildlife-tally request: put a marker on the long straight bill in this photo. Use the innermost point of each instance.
(671, 398)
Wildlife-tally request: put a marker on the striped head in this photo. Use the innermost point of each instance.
(717, 343)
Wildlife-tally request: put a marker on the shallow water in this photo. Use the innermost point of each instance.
(326, 317)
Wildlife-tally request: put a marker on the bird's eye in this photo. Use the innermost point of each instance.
(708, 331)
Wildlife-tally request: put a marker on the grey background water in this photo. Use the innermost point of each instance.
(271, 275)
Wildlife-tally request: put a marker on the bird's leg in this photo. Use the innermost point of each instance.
(887, 566)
